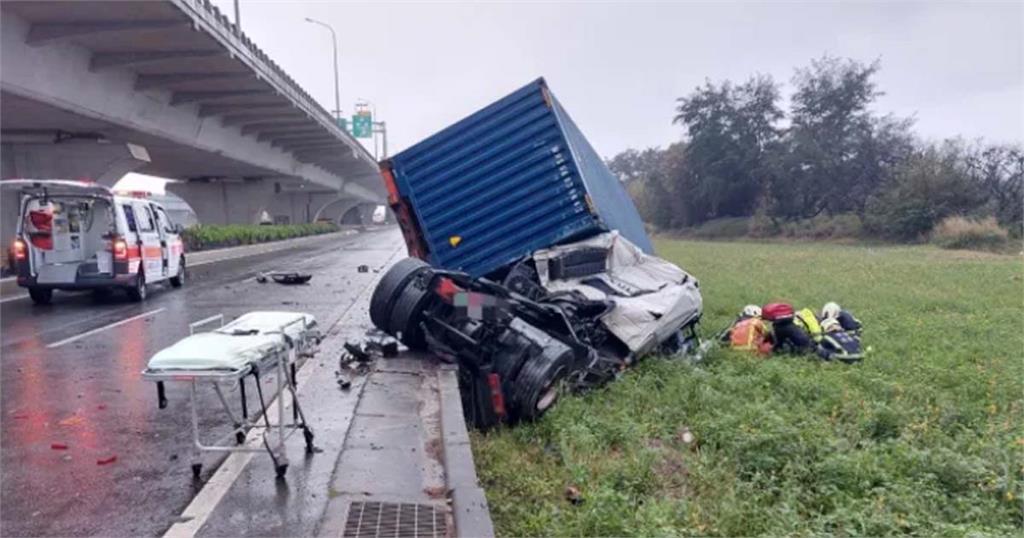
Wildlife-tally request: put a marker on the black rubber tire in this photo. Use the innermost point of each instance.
(389, 287)
(197, 469)
(280, 470)
(406, 314)
(41, 296)
(240, 438)
(138, 292)
(536, 386)
(508, 362)
(178, 280)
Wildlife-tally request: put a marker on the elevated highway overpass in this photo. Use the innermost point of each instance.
(96, 89)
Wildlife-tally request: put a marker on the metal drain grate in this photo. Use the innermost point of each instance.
(394, 520)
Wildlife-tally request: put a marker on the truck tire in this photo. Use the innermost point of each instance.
(406, 313)
(40, 296)
(138, 292)
(178, 280)
(537, 385)
(390, 286)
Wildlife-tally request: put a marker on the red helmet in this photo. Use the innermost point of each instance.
(777, 311)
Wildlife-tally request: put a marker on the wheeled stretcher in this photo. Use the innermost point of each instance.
(254, 345)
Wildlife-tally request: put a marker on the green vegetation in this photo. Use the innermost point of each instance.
(967, 234)
(926, 437)
(828, 155)
(209, 236)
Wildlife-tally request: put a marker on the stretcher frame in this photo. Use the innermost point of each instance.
(284, 361)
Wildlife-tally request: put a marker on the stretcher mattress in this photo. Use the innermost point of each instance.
(251, 338)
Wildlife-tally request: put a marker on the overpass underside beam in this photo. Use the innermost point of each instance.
(86, 160)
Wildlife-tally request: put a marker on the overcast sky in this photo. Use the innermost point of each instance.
(617, 67)
(958, 67)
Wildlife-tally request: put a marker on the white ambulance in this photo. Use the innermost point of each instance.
(76, 235)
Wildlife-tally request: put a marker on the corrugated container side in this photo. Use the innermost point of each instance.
(509, 179)
(613, 202)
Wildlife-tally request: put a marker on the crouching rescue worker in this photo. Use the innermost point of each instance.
(787, 335)
(845, 318)
(749, 332)
(839, 344)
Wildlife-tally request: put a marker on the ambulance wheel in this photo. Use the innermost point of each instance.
(178, 280)
(137, 292)
(281, 470)
(197, 468)
(240, 438)
(40, 295)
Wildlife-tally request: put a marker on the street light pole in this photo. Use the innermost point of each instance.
(334, 41)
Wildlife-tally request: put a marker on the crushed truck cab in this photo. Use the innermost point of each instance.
(530, 267)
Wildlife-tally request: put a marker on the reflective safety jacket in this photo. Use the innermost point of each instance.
(809, 321)
(750, 334)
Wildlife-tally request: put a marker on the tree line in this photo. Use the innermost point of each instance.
(743, 155)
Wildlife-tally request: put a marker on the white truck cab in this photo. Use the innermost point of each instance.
(74, 235)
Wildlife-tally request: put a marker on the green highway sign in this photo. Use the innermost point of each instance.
(362, 126)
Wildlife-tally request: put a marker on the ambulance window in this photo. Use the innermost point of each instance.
(147, 222)
(165, 221)
(129, 215)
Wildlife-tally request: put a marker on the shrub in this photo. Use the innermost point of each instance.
(724, 228)
(202, 237)
(931, 186)
(963, 233)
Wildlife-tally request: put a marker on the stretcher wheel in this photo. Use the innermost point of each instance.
(281, 470)
(240, 437)
(196, 469)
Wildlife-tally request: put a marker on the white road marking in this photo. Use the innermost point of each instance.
(103, 328)
(15, 298)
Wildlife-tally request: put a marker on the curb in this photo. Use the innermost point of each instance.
(470, 512)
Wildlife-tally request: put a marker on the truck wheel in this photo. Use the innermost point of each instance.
(390, 286)
(407, 310)
(137, 292)
(537, 385)
(178, 280)
(40, 295)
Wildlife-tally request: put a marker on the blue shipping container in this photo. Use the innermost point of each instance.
(512, 178)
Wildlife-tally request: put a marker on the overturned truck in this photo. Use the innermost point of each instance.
(529, 266)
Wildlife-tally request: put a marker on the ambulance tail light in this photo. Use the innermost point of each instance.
(119, 247)
(19, 250)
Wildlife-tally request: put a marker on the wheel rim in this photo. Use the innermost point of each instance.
(181, 273)
(140, 285)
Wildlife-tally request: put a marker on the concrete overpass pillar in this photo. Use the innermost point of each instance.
(226, 201)
(104, 163)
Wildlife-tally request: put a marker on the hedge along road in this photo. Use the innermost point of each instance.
(72, 396)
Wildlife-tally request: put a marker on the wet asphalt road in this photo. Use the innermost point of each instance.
(87, 394)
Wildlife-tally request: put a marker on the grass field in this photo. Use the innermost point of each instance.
(926, 437)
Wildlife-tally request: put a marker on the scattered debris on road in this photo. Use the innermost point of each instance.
(107, 460)
(284, 277)
(363, 268)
